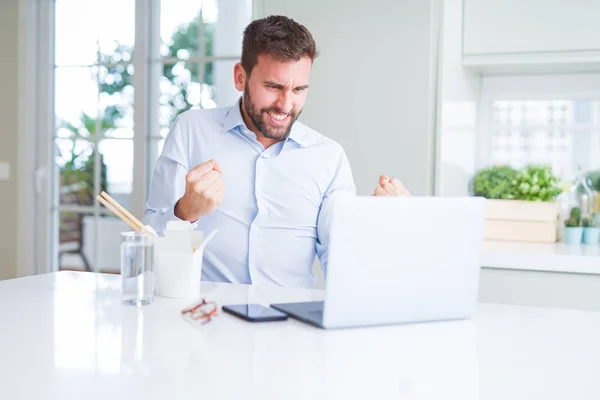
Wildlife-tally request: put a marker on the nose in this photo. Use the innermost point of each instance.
(285, 101)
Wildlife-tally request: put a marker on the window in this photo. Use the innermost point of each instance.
(200, 42)
(552, 120)
(123, 71)
(562, 133)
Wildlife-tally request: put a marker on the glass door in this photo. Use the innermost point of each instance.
(107, 139)
(93, 138)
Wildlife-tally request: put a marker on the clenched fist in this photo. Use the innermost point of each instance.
(204, 192)
(390, 187)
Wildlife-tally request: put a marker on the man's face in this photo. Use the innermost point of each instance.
(274, 95)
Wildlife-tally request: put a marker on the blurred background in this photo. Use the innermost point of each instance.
(434, 92)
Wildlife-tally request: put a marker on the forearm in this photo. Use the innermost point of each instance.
(184, 209)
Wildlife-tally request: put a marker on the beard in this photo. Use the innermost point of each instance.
(259, 119)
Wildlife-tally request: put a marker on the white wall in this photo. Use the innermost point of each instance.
(372, 88)
(459, 96)
(9, 12)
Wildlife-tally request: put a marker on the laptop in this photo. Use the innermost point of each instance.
(396, 260)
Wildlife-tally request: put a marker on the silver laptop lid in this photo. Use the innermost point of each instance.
(403, 259)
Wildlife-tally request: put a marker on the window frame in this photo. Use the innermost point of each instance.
(39, 100)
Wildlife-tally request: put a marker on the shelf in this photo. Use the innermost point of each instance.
(554, 257)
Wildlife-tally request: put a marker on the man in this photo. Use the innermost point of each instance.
(263, 179)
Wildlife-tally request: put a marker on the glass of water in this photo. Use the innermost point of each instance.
(137, 277)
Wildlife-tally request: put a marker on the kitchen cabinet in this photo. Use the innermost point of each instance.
(532, 35)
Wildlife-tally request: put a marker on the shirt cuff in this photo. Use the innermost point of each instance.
(172, 216)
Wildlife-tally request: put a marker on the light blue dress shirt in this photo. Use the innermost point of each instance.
(276, 211)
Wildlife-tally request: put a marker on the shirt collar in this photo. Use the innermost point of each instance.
(298, 135)
(234, 119)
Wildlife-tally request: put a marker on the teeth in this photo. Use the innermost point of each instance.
(278, 117)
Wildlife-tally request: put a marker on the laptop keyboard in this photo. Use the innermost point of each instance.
(311, 310)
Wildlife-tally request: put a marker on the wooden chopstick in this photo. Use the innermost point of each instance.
(118, 214)
(124, 211)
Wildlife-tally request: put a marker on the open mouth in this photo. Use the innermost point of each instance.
(278, 119)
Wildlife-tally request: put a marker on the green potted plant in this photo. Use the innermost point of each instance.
(536, 183)
(573, 230)
(494, 182)
(591, 229)
(521, 203)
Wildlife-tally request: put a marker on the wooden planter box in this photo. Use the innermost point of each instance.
(521, 221)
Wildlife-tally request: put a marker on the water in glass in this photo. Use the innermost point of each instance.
(137, 277)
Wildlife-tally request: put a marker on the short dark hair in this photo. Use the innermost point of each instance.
(279, 37)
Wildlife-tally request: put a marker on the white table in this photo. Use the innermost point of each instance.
(67, 336)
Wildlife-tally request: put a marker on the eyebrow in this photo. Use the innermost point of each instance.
(280, 86)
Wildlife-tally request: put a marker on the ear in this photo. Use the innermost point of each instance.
(239, 77)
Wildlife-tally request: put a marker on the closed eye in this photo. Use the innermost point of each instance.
(273, 86)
